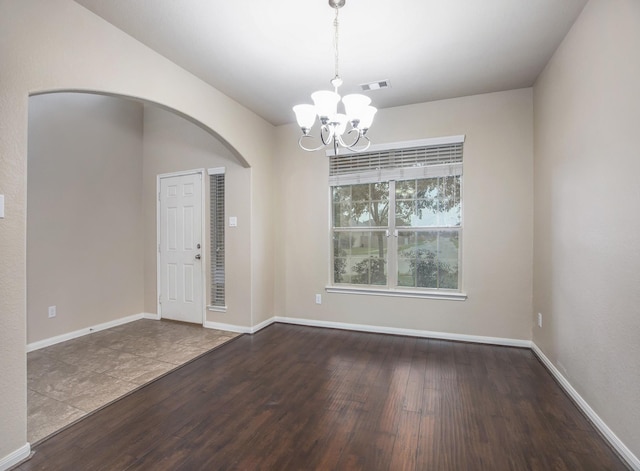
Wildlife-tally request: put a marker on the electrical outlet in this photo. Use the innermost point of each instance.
(539, 319)
(318, 299)
(52, 311)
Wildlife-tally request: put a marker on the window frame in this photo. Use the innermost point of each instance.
(392, 288)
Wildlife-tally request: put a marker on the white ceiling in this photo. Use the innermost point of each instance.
(270, 56)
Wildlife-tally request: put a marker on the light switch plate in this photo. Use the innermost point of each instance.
(1, 206)
(233, 221)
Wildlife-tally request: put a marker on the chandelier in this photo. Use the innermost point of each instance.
(333, 125)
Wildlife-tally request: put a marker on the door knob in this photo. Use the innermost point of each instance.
(198, 257)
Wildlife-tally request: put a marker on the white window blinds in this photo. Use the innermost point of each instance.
(399, 163)
(216, 221)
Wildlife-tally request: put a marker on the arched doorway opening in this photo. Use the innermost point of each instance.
(91, 230)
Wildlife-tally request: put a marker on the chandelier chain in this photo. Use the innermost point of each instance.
(335, 43)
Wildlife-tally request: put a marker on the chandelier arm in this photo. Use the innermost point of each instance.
(359, 149)
(307, 148)
(355, 141)
(326, 141)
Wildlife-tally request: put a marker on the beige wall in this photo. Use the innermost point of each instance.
(172, 144)
(587, 212)
(263, 216)
(56, 45)
(84, 229)
(498, 219)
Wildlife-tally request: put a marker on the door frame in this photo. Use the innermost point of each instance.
(201, 172)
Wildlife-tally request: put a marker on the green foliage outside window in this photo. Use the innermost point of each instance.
(427, 213)
(429, 272)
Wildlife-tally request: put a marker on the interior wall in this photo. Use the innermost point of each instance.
(173, 144)
(497, 241)
(57, 45)
(587, 212)
(84, 230)
(264, 212)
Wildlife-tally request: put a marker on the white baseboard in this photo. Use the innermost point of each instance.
(262, 325)
(370, 328)
(409, 332)
(79, 333)
(15, 457)
(148, 315)
(238, 328)
(608, 434)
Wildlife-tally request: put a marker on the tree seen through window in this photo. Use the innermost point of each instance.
(424, 222)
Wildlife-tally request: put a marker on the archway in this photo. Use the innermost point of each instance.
(91, 186)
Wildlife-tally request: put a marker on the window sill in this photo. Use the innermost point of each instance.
(398, 293)
(217, 308)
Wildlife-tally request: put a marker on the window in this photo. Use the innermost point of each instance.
(397, 218)
(216, 234)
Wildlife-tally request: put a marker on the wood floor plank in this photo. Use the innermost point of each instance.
(302, 398)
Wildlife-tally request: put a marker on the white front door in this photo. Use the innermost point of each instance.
(180, 242)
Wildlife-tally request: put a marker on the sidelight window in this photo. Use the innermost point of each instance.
(216, 233)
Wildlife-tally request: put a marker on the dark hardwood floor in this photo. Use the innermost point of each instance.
(303, 398)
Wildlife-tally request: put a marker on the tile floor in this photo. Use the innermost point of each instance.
(71, 379)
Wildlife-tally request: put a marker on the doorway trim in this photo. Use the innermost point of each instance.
(201, 172)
